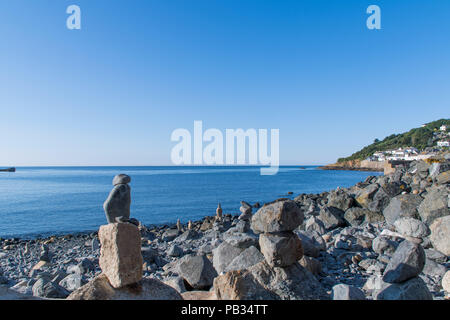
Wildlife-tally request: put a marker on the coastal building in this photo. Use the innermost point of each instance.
(443, 143)
(400, 154)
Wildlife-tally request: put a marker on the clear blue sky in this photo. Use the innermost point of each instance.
(113, 92)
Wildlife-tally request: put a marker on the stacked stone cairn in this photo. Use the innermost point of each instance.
(121, 259)
(219, 213)
(275, 223)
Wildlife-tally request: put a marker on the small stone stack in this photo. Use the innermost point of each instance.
(275, 223)
(246, 211)
(120, 255)
(219, 214)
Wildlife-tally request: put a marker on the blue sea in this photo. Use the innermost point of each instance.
(42, 201)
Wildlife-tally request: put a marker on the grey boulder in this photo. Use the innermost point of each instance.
(407, 262)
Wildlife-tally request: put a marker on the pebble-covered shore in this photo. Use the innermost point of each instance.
(350, 237)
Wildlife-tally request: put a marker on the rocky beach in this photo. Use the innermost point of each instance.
(385, 238)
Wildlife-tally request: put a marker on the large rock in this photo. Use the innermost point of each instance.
(118, 203)
(240, 240)
(263, 282)
(223, 255)
(443, 178)
(406, 262)
(332, 217)
(340, 199)
(446, 282)
(411, 227)
(312, 243)
(384, 246)
(413, 289)
(404, 205)
(440, 235)
(249, 257)
(281, 249)
(311, 264)
(72, 282)
(357, 216)
(47, 289)
(8, 294)
(434, 205)
(365, 196)
(146, 289)
(197, 271)
(278, 216)
(120, 255)
(346, 292)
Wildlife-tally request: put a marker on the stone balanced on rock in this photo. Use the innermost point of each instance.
(117, 205)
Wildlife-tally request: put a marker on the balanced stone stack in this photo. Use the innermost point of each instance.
(120, 255)
(275, 223)
(246, 211)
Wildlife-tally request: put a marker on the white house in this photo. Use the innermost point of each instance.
(443, 128)
(443, 143)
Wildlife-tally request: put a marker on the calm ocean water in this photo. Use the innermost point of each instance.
(54, 200)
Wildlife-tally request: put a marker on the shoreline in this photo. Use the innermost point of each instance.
(168, 225)
(348, 236)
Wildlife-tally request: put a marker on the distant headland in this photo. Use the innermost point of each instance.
(428, 141)
(8, 170)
